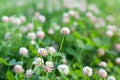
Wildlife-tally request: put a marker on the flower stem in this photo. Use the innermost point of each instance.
(61, 43)
(86, 78)
(22, 60)
(59, 51)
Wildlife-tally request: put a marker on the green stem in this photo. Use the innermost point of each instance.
(47, 76)
(59, 51)
(61, 43)
(86, 78)
(6, 28)
(51, 58)
(17, 76)
(22, 60)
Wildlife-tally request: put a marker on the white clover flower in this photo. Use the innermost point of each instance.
(38, 62)
(91, 17)
(87, 71)
(89, 14)
(65, 30)
(117, 60)
(40, 6)
(102, 73)
(65, 20)
(110, 18)
(117, 47)
(64, 60)
(23, 18)
(112, 27)
(111, 78)
(49, 66)
(12, 19)
(29, 26)
(72, 12)
(32, 42)
(23, 51)
(42, 18)
(101, 51)
(40, 34)
(51, 31)
(109, 33)
(51, 50)
(63, 68)
(103, 64)
(29, 73)
(65, 15)
(42, 51)
(5, 19)
(101, 22)
(7, 35)
(93, 8)
(31, 35)
(17, 21)
(36, 15)
(18, 69)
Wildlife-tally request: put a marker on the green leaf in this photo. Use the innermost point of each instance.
(12, 62)
(10, 76)
(3, 61)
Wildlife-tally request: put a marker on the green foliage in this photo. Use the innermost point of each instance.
(3, 61)
(80, 48)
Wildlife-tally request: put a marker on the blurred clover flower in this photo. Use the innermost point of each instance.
(102, 73)
(63, 68)
(18, 69)
(29, 73)
(38, 62)
(49, 66)
(110, 78)
(87, 71)
(23, 51)
(65, 30)
(42, 52)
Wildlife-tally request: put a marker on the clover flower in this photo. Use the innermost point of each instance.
(18, 69)
(38, 62)
(63, 68)
(87, 71)
(65, 30)
(23, 51)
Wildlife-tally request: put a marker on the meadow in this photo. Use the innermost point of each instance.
(59, 40)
